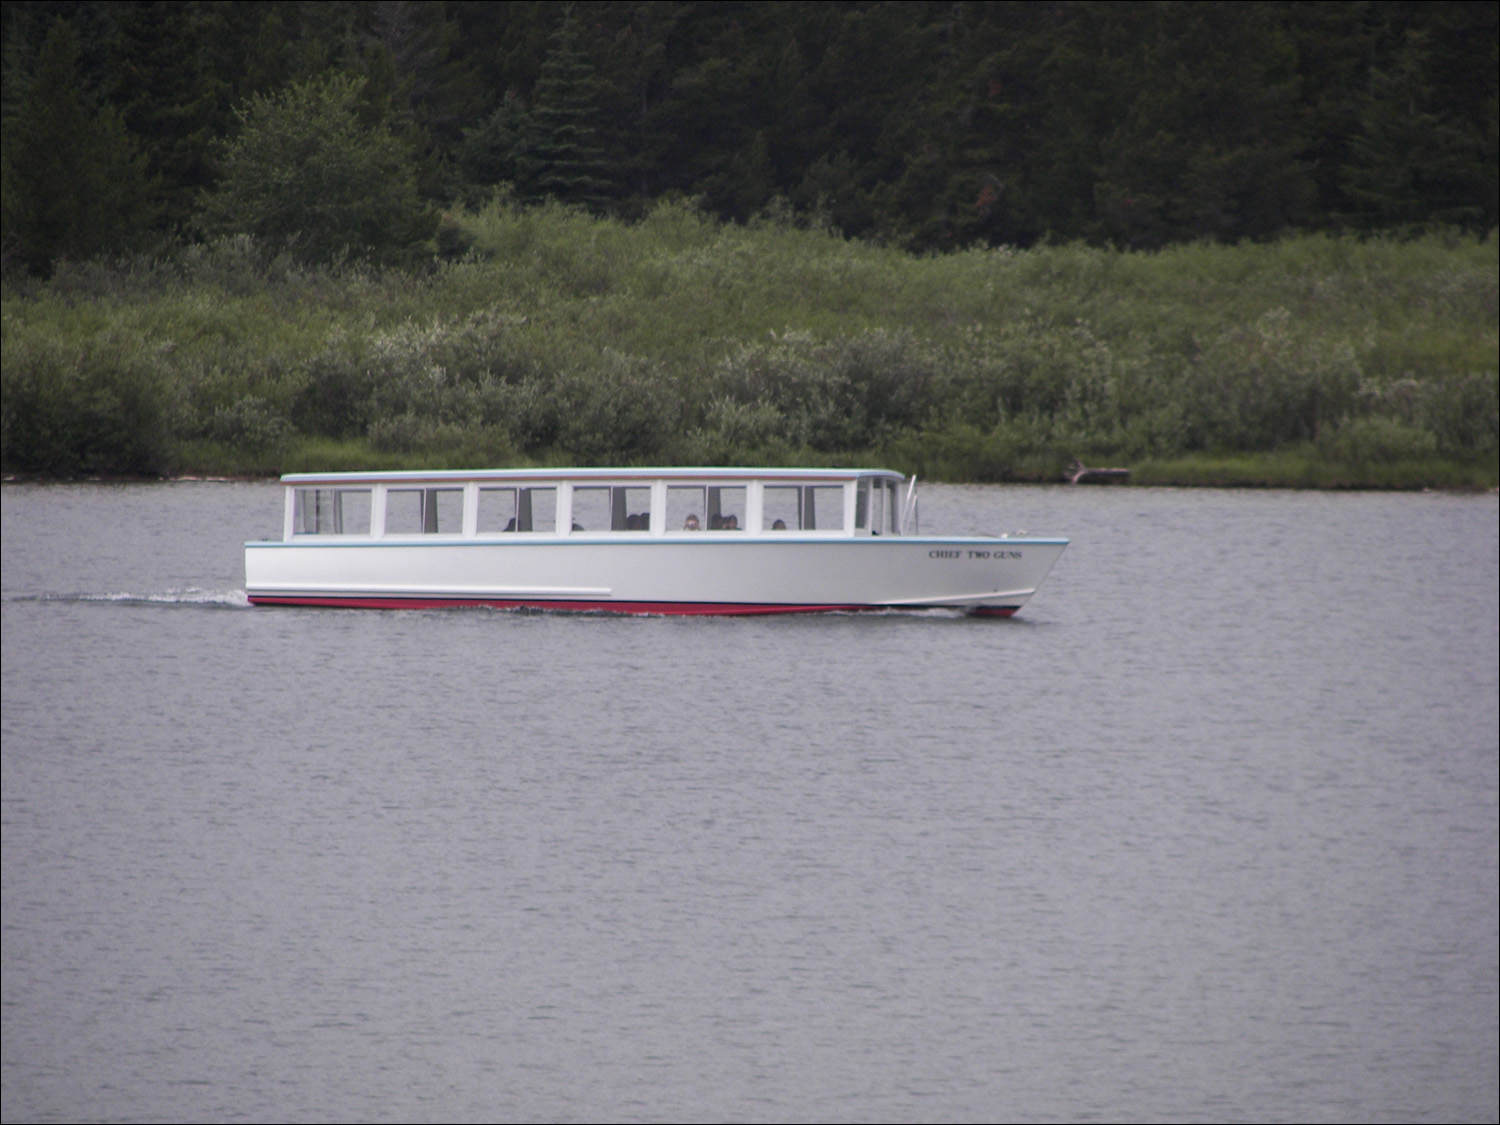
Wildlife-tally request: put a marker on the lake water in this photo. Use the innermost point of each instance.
(1208, 832)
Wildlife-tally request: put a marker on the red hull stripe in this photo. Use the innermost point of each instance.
(994, 610)
(692, 609)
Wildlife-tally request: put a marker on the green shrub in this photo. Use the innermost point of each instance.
(304, 173)
(1463, 413)
(842, 394)
(622, 410)
(249, 423)
(104, 407)
(1376, 440)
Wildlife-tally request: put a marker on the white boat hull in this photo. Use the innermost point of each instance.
(676, 574)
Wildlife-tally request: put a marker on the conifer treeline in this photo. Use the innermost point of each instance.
(927, 125)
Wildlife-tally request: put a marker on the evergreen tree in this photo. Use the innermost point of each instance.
(878, 112)
(170, 97)
(1412, 165)
(949, 168)
(566, 160)
(74, 182)
(720, 97)
(412, 58)
(499, 151)
(752, 180)
(1207, 145)
(641, 45)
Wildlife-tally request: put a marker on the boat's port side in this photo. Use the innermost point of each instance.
(628, 540)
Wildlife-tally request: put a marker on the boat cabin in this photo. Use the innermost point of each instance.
(820, 503)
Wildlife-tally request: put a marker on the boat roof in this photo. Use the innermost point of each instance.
(689, 473)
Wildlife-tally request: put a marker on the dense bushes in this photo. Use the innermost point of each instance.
(565, 338)
(102, 404)
(852, 392)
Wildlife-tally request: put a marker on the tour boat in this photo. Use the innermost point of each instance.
(671, 541)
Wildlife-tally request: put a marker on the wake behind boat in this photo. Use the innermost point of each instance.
(677, 541)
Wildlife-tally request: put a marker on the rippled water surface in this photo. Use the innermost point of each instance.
(1208, 832)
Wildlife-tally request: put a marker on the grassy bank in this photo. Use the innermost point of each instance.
(555, 337)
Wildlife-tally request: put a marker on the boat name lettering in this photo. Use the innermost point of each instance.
(974, 554)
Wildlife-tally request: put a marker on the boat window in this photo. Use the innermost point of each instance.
(823, 507)
(630, 508)
(781, 508)
(332, 511)
(590, 509)
(874, 507)
(798, 507)
(612, 508)
(517, 509)
(697, 507)
(536, 509)
(685, 507)
(497, 510)
(417, 511)
(892, 512)
(726, 508)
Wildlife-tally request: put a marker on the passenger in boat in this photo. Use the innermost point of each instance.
(731, 523)
(779, 525)
(690, 524)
